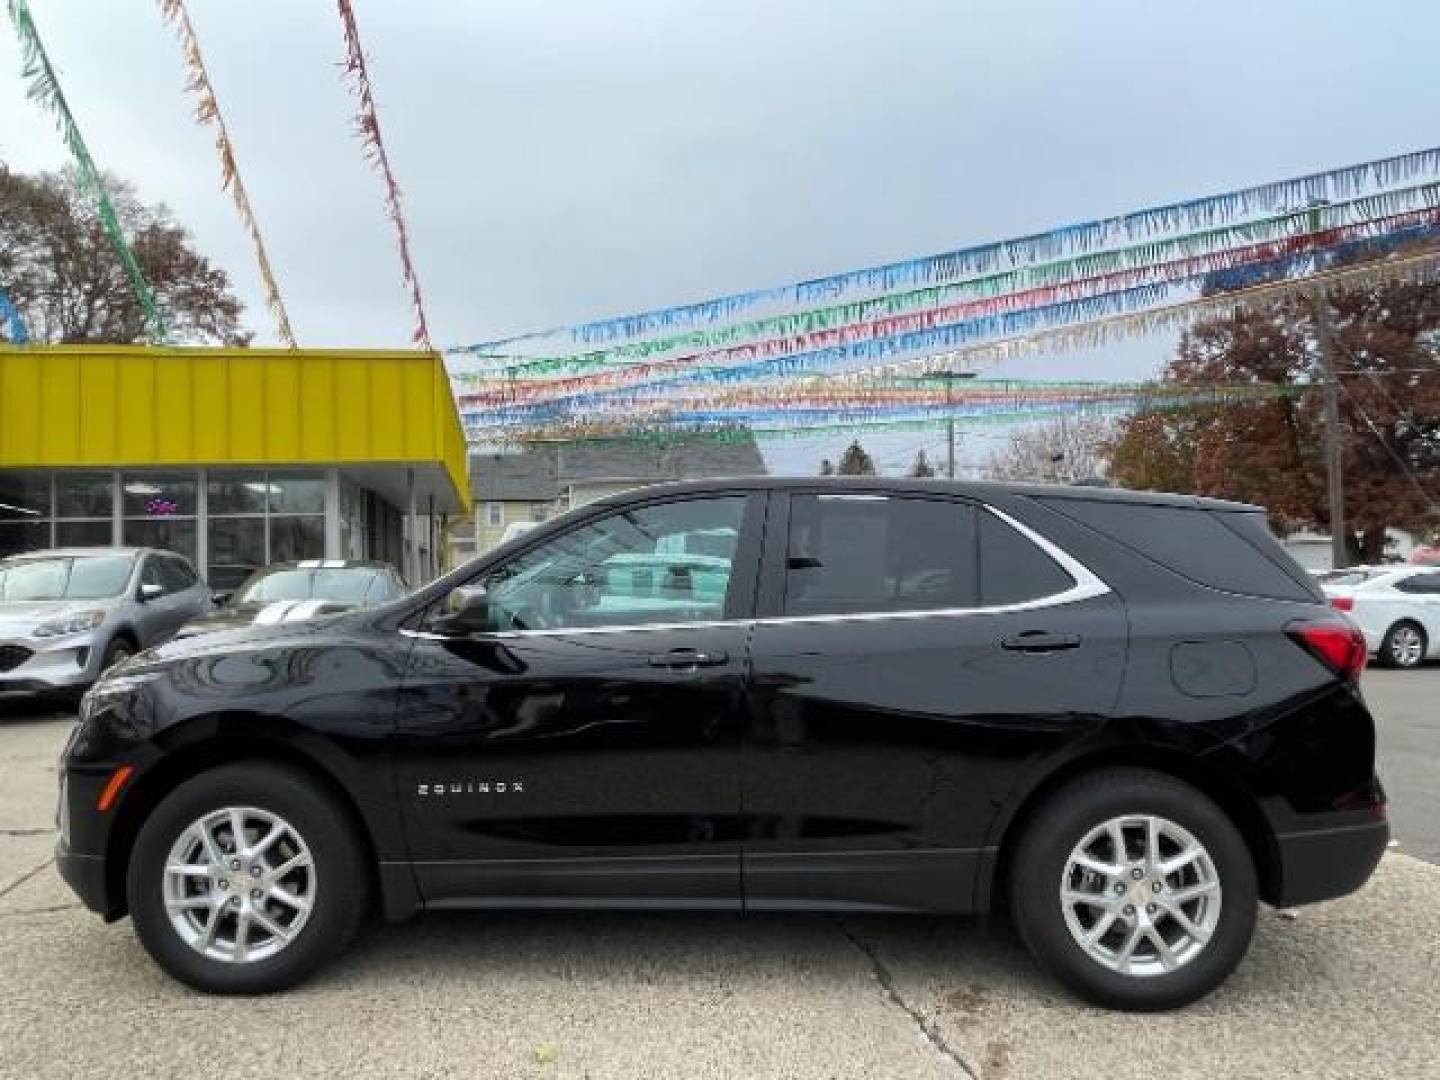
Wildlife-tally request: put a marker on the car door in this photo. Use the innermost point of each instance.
(581, 742)
(159, 616)
(911, 652)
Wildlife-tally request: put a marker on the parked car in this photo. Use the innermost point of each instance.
(1123, 717)
(68, 614)
(1398, 609)
(296, 591)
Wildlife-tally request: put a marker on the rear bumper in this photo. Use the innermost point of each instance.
(1325, 863)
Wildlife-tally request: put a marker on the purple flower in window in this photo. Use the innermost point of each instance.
(162, 507)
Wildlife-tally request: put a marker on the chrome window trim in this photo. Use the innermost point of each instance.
(1087, 586)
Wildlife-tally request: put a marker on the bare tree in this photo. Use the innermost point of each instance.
(69, 285)
(1062, 450)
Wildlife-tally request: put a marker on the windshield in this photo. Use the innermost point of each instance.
(348, 585)
(84, 577)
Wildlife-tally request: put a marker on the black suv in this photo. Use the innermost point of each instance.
(1125, 717)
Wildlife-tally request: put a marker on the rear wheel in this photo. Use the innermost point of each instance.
(1134, 890)
(1404, 645)
(246, 878)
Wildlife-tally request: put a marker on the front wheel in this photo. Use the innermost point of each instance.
(1134, 890)
(246, 878)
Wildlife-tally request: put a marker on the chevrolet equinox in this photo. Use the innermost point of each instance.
(1124, 718)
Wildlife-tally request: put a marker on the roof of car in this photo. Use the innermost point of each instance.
(330, 564)
(79, 552)
(975, 489)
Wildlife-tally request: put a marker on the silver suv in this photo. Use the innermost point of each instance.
(68, 614)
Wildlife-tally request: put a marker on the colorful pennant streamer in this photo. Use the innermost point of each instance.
(45, 90)
(999, 402)
(1369, 216)
(10, 319)
(639, 407)
(1196, 214)
(367, 126)
(1272, 256)
(207, 111)
(865, 355)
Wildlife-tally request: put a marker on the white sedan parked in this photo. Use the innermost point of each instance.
(1398, 608)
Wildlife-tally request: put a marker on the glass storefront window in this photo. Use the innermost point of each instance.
(84, 534)
(237, 492)
(21, 536)
(295, 538)
(84, 495)
(172, 534)
(24, 495)
(297, 493)
(159, 495)
(237, 546)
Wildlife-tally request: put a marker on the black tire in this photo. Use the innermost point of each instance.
(1391, 656)
(1040, 860)
(342, 877)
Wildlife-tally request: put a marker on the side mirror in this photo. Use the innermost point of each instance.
(150, 592)
(221, 598)
(467, 611)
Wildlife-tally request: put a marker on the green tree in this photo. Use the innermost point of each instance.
(921, 466)
(856, 462)
(68, 284)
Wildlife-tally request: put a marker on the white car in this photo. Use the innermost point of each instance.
(1398, 608)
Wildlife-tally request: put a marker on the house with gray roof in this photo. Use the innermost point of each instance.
(522, 488)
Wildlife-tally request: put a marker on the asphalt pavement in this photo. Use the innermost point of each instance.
(1344, 989)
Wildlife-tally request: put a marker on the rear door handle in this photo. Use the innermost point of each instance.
(688, 658)
(1040, 641)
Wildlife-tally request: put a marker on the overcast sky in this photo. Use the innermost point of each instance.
(574, 159)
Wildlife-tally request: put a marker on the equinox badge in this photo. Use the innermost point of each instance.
(472, 787)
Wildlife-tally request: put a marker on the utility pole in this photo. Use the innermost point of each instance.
(1330, 400)
(950, 377)
(1330, 389)
(950, 424)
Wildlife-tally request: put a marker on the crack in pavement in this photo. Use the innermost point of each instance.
(8, 889)
(27, 832)
(40, 910)
(929, 1028)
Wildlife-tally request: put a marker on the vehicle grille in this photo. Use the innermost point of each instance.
(12, 656)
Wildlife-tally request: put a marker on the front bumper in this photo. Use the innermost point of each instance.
(85, 874)
(60, 663)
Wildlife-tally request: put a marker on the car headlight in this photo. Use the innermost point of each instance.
(70, 624)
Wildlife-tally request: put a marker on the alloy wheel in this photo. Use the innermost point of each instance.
(1406, 646)
(1141, 895)
(239, 884)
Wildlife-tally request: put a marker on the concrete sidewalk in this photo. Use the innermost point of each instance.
(1345, 990)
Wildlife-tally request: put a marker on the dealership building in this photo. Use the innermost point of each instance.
(233, 457)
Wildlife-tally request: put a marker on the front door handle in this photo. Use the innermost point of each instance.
(688, 658)
(1040, 641)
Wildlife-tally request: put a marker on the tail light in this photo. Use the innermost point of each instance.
(1336, 643)
(1342, 603)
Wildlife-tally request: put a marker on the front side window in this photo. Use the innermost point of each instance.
(856, 554)
(667, 563)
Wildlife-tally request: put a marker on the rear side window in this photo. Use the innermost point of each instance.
(863, 553)
(1012, 569)
(1201, 545)
(1424, 584)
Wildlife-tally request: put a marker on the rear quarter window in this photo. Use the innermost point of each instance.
(1228, 550)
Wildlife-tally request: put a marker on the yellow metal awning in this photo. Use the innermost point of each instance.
(140, 406)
